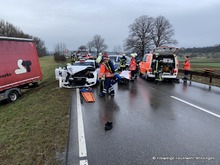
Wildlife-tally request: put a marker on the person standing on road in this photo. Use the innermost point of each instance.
(137, 64)
(132, 66)
(186, 67)
(106, 75)
(123, 61)
(158, 68)
(73, 58)
(99, 61)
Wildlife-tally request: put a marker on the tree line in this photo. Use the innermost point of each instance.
(208, 51)
(9, 30)
(145, 33)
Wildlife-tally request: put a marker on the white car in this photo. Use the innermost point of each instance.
(83, 73)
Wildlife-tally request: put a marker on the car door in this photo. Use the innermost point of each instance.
(143, 65)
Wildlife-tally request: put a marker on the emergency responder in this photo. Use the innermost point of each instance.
(186, 68)
(99, 58)
(158, 68)
(98, 61)
(106, 74)
(73, 58)
(123, 61)
(137, 64)
(132, 66)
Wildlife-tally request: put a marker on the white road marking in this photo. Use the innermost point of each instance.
(81, 135)
(202, 109)
(83, 162)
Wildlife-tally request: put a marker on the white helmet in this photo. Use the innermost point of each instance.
(135, 54)
(132, 55)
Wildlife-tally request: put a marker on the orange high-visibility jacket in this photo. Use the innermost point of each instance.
(133, 64)
(105, 70)
(187, 65)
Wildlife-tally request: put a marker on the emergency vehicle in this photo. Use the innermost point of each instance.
(163, 60)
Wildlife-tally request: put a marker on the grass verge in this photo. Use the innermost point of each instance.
(34, 129)
(198, 64)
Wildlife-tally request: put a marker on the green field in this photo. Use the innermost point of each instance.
(33, 130)
(199, 64)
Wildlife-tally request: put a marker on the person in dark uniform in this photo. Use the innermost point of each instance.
(123, 61)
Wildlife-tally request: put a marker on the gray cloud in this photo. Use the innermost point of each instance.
(75, 22)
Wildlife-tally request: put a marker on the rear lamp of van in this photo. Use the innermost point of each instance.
(175, 70)
(150, 69)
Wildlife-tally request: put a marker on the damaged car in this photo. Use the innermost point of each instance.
(83, 73)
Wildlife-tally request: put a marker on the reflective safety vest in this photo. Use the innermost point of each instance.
(73, 59)
(106, 70)
(187, 65)
(123, 61)
(132, 65)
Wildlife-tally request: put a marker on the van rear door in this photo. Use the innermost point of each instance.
(169, 66)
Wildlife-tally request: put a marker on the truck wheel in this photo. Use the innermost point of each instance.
(35, 84)
(12, 96)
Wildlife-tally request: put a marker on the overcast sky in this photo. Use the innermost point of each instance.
(196, 23)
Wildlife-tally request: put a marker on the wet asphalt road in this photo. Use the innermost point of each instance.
(165, 123)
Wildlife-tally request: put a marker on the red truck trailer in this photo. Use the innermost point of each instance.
(19, 66)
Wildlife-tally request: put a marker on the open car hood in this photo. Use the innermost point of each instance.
(75, 69)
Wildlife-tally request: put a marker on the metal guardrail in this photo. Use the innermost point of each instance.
(206, 73)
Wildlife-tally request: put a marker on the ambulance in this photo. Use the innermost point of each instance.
(163, 60)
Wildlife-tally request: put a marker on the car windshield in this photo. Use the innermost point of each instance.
(116, 58)
(84, 64)
(113, 58)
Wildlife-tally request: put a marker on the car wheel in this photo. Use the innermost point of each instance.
(12, 96)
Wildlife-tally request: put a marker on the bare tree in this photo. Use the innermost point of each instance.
(40, 46)
(82, 47)
(147, 32)
(60, 48)
(9, 30)
(163, 32)
(99, 44)
(90, 46)
(117, 49)
(140, 38)
(59, 52)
